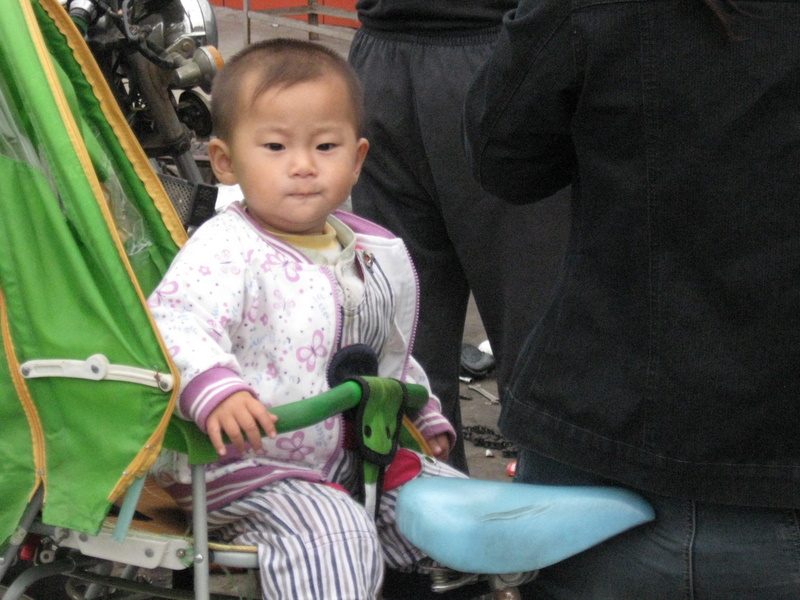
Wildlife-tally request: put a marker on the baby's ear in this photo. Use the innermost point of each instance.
(361, 153)
(221, 163)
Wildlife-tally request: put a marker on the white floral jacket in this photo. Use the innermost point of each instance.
(240, 309)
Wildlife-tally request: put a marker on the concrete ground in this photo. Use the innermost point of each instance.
(477, 409)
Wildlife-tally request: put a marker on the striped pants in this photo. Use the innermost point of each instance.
(317, 543)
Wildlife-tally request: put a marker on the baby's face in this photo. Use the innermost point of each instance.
(296, 154)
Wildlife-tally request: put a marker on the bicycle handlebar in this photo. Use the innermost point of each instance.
(185, 436)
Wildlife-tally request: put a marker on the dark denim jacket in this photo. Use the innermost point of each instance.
(670, 357)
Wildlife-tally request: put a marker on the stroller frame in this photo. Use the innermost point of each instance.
(94, 556)
(149, 549)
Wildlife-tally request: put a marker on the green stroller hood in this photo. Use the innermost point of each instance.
(87, 232)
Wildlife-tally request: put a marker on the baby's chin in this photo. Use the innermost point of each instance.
(293, 224)
(301, 227)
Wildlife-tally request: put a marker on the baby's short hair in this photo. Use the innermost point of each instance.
(278, 63)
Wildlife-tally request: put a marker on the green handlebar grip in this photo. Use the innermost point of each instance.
(417, 397)
(186, 437)
(316, 409)
(345, 396)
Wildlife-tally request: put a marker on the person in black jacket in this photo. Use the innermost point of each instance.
(668, 359)
(415, 59)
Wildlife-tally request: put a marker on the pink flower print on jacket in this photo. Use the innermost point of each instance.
(164, 294)
(272, 371)
(282, 303)
(290, 268)
(294, 445)
(255, 313)
(310, 354)
(226, 264)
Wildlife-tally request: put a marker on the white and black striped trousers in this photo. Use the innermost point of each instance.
(316, 542)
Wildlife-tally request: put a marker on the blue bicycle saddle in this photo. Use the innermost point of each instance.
(494, 527)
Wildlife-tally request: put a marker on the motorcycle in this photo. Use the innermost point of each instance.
(159, 58)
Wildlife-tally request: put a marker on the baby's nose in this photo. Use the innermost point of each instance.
(303, 163)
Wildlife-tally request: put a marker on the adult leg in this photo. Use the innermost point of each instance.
(511, 255)
(396, 190)
(693, 550)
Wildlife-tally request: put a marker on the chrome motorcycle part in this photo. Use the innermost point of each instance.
(199, 71)
(148, 51)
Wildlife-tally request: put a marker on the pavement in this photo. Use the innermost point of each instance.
(479, 406)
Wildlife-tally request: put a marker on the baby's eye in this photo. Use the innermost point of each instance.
(274, 146)
(326, 147)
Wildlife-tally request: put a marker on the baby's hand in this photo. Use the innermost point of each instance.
(240, 413)
(440, 446)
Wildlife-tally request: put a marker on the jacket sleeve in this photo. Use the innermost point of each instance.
(429, 420)
(196, 307)
(517, 114)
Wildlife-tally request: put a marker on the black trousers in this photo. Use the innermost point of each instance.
(416, 183)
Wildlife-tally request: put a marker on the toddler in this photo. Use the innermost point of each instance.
(257, 304)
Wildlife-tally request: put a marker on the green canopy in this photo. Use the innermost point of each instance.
(86, 233)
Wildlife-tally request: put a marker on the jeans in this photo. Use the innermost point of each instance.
(692, 550)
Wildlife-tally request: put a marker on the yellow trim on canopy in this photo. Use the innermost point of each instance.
(58, 95)
(145, 458)
(25, 398)
(113, 113)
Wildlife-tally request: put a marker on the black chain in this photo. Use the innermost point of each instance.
(486, 437)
